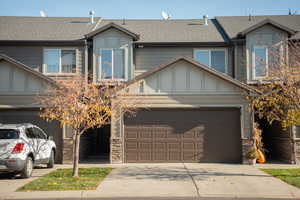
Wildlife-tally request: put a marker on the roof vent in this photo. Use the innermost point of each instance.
(205, 18)
(42, 13)
(165, 15)
(92, 13)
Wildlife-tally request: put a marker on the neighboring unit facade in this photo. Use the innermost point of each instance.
(188, 77)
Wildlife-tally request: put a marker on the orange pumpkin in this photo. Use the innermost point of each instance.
(261, 158)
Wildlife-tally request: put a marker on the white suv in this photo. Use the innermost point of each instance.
(22, 146)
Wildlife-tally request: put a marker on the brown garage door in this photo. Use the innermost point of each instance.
(184, 135)
(8, 116)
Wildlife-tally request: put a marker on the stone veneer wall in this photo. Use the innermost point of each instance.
(247, 145)
(116, 150)
(297, 151)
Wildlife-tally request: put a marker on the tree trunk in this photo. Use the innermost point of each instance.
(76, 143)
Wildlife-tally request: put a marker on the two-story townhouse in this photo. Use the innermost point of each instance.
(189, 74)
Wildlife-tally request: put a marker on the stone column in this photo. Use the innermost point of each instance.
(247, 145)
(116, 150)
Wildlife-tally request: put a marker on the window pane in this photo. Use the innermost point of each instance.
(119, 70)
(106, 63)
(260, 56)
(218, 60)
(52, 60)
(68, 61)
(202, 57)
(6, 134)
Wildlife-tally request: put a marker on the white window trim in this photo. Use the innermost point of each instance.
(59, 73)
(112, 62)
(253, 62)
(209, 52)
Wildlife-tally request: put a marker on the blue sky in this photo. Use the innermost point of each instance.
(146, 9)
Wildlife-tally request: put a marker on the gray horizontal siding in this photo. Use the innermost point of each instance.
(240, 63)
(32, 56)
(28, 55)
(147, 58)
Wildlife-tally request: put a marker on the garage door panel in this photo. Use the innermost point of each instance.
(146, 134)
(132, 134)
(174, 156)
(189, 146)
(129, 156)
(174, 146)
(189, 156)
(189, 135)
(145, 146)
(160, 156)
(159, 146)
(131, 145)
(144, 156)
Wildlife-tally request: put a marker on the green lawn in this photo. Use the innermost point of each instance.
(290, 176)
(61, 179)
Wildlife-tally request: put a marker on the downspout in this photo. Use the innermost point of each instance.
(86, 75)
(234, 54)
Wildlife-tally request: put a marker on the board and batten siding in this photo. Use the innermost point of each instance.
(266, 35)
(15, 80)
(112, 38)
(19, 87)
(149, 57)
(181, 85)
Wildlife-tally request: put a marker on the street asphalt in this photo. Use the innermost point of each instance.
(170, 198)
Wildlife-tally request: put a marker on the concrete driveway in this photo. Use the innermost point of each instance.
(193, 180)
(134, 181)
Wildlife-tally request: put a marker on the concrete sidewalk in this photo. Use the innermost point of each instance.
(171, 180)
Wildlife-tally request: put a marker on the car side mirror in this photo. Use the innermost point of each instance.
(50, 137)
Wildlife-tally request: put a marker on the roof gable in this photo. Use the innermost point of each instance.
(211, 72)
(112, 25)
(26, 68)
(265, 22)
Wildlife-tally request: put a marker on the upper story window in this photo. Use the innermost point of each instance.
(260, 62)
(59, 61)
(214, 58)
(111, 64)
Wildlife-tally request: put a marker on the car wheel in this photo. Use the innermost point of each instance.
(27, 171)
(51, 160)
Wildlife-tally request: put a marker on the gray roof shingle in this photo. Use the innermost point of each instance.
(180, 30)
(235, 24)
(70, 28)
(44, 28)
(152, 31)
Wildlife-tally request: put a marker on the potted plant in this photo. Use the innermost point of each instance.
(252, 156)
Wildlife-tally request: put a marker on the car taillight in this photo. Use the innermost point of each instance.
(18, 148)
